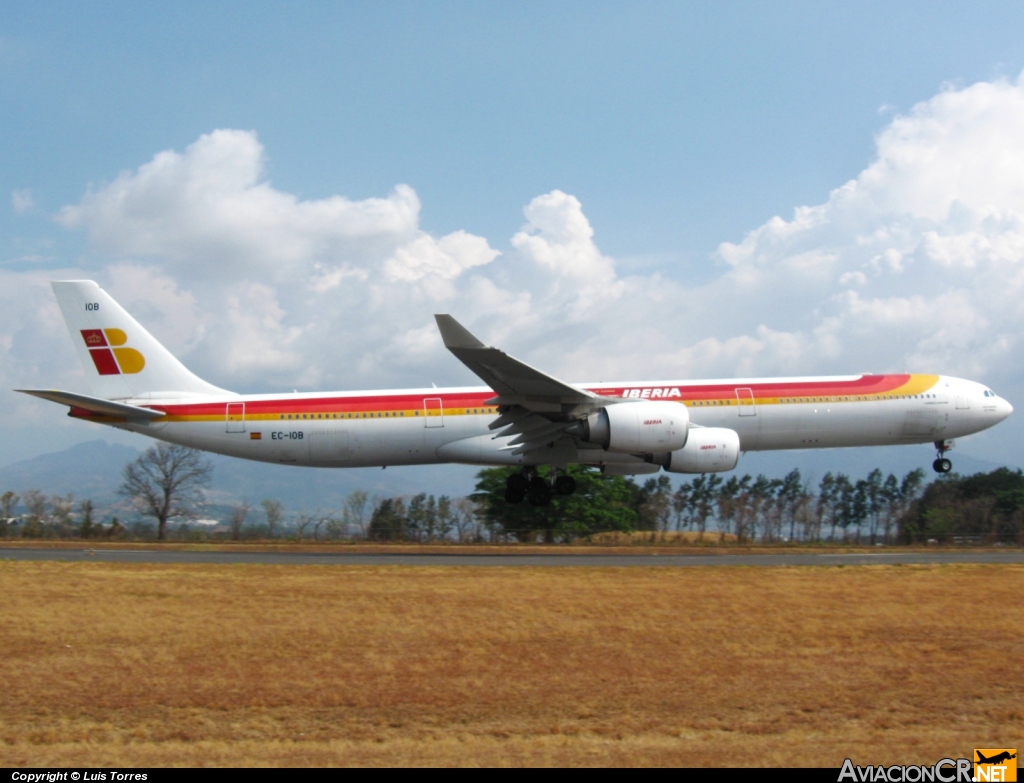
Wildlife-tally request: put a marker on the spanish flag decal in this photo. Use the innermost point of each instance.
(109, 354)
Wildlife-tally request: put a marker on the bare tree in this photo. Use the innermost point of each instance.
(166, 482)
(303, 521)
(62, 506)
(36, 503)
(445, 517)
(468, 526)
(8, 501)
(330, 523)
(354, 513)
(274, 512)
(238, 514)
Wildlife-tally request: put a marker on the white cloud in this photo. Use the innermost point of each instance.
(558, 236)
(915, 264)
(931, 234)
(445, 259)
(22, 201)
(209, 212)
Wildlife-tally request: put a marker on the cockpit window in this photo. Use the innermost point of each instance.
(989, 393)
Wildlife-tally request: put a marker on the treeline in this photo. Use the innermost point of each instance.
(878, 509)
(748, 507)
(985, 507)
(53, 517)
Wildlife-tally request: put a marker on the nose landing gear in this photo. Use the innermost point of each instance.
(942, 464)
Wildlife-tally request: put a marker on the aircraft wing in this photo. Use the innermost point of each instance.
(517, 383)
(94, 404)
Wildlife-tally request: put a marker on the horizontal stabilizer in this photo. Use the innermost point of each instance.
(94, 404)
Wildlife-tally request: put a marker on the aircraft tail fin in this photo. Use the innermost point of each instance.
(120, 358)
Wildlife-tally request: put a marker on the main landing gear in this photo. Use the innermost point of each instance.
(942, 464)
(529, 486)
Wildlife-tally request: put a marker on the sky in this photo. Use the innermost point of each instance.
(284, 195)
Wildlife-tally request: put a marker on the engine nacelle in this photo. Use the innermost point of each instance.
(638, 427)
(707, 450)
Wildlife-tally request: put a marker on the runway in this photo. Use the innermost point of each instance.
(506, 560)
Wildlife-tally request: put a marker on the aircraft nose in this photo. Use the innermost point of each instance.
(1004, 409)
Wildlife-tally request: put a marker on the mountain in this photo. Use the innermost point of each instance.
(88, 470)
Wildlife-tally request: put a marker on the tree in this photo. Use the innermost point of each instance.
(600, 503)
(354, 512)
(446, 516)
(825, 508)
(467, 521)
(239, 512)
(681, 506)
(421, 517)
(86, 528)
(861, 505)
(791, 497)
(874, 487)
(388, 522)
(8, 501)
(703, 492)
(116, 529)
(327, 522)
(744, 509)
(36, 503)
(303, 521)
(654, 505)
(762, 492)
(62, 506)
(166, 482)
(274, 512)
(983, 506)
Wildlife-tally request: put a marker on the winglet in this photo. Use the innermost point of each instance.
(455, 335)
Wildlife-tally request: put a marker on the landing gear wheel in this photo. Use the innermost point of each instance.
(517, 482)
(539, 493)
(514, 496)
(565, 485)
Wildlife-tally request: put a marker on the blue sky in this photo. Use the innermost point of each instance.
(672, 127)
(679, 125)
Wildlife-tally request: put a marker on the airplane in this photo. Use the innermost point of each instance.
(996, 759)
(521, 417)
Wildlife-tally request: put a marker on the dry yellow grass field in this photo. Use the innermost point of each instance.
(113, 664)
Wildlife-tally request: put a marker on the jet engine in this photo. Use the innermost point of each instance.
(637, 427)
(707, 450)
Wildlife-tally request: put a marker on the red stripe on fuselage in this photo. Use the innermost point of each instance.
(864, 385)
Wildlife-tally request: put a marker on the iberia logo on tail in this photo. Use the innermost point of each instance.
(106, 347)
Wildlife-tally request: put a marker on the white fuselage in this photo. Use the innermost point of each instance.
(424, 426)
